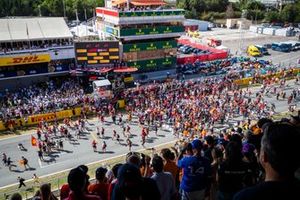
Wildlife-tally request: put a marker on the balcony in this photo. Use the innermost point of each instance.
(146, 33)
(140, 16)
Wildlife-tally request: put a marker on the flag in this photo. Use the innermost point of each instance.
(33, 141)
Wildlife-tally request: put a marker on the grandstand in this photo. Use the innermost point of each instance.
(35, 48)
(146, 31)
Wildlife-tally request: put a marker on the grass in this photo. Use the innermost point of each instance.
(57, 180)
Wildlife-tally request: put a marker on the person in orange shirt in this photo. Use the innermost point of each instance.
(100, 188)
(170, 165)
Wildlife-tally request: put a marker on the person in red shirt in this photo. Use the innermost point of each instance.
(111, 187)
(65, 189)
(77, 180)
(100, 188)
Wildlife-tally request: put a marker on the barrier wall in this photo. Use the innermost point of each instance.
(35, 119)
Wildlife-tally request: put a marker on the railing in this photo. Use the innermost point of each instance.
(144, 13)
(151, 31)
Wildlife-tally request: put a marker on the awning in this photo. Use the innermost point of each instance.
(101, 83)
(127, 69)
(105, 70)
(118, 2)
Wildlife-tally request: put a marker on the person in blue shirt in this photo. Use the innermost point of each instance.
(195, 182)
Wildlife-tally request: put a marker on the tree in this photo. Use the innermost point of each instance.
(229, 11)
(273, 16)
(289, 13)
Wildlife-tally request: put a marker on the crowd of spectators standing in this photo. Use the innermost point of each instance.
(241, 165)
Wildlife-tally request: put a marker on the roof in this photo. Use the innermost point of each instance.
(101, 83)
(23, 29)
(141, 2)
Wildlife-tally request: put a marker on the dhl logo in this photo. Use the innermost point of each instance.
(26, 59)
(21, 60)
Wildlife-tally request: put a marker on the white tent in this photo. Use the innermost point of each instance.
(101, 83)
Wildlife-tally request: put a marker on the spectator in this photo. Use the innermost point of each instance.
(115, 170)
(45, 193)
(197, 172)
(77, 180)
(131, 185)
(164, 180)
(100, 188)
(232, 172)
(65, 189)
(169, 164)
(145, 168)
(279, 157)
(16, 196)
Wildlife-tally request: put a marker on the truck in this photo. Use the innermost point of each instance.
(212, 42)
(263, 50)
(253, 51)
(283, 47)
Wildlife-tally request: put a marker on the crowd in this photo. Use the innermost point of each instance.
(43, 98)
(242, 164)
(7, 48)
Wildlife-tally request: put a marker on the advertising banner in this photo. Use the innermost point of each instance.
(151, 31)
(147, 65)
(24, 59)
(149, 46)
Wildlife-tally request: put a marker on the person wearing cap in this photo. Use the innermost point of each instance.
(279, 156)
(132, 186)
(100, 188)
(195, 182)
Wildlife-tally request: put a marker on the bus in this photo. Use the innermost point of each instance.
(277, 46)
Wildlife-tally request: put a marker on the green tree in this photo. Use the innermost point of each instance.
(289, 13)
(273, 16)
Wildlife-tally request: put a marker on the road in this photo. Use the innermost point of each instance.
(81, 152)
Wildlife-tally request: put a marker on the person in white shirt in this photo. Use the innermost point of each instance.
(164, 180)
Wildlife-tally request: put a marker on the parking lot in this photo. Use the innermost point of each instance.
(236, 40)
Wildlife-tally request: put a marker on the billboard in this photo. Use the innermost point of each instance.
(24, 59)
(103, 53)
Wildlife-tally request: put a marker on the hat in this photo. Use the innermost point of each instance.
(100, 172)
(76, 179)
(196, 144)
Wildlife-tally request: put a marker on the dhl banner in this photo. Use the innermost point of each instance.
(24, 59)
(35, 119)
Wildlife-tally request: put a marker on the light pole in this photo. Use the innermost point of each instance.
(64, 8)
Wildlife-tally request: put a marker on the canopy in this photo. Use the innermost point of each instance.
(127, 69)
(37, 28)
(104, 70)
(101, 83)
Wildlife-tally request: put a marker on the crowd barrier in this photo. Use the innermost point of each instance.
(35, 119)
(246, 81)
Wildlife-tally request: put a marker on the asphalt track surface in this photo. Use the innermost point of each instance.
(80, 151)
